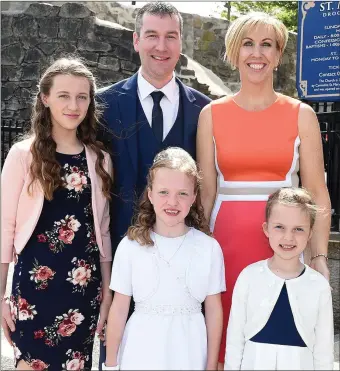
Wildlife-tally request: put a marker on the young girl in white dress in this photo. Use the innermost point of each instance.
(170, 265)
(281, 315)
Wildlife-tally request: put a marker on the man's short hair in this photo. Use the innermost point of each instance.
(160, 9)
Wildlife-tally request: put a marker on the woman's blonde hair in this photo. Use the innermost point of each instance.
(238, 29)
(290, 196)
(173, 158)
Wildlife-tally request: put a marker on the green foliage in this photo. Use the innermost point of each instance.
(286, 11)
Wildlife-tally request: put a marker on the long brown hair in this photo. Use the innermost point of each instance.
(176, 159)
(44, 167)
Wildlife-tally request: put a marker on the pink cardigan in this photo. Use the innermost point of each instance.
(20, 211)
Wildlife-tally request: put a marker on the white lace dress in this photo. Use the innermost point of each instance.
(167, 329)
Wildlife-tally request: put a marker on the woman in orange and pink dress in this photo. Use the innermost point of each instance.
(252, 143)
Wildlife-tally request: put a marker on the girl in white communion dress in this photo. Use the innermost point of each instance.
(170, 265)
(281, 315)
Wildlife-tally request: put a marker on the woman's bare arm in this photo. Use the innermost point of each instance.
(206, 160)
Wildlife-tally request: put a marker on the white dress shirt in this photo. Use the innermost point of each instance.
(169, 102)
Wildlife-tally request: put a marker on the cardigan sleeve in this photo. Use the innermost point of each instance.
(105, 223)
(323, 352)
(121, 275)
(217, 271)
(12, 183)
(237, 321)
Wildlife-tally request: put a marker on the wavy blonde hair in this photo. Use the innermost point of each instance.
(238, 29)
(44, 167)
(173, 158)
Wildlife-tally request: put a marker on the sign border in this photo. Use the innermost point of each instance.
(303, 84)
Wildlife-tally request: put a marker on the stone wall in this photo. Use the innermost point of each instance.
(334, 268)
(203, 41)
(33, 38)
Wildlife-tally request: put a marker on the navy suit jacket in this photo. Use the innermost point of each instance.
(119, 102)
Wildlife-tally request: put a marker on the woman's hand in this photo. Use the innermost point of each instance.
(320, 264)
(7, 322)
(103, 314)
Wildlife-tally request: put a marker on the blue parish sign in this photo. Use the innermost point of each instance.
(318, 51)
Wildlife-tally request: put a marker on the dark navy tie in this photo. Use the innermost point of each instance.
(157, 115)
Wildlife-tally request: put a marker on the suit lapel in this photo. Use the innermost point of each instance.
(127, 105)
(191, 112)
(127, 100)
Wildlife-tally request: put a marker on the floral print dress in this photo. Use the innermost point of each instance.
(56, 288)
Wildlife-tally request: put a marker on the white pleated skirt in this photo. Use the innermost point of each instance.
(259, 356)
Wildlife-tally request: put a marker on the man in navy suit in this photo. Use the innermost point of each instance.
(148, 112)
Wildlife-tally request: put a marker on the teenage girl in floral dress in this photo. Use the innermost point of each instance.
(55, 226)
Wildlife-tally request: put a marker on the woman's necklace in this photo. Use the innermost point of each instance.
(167, 261)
